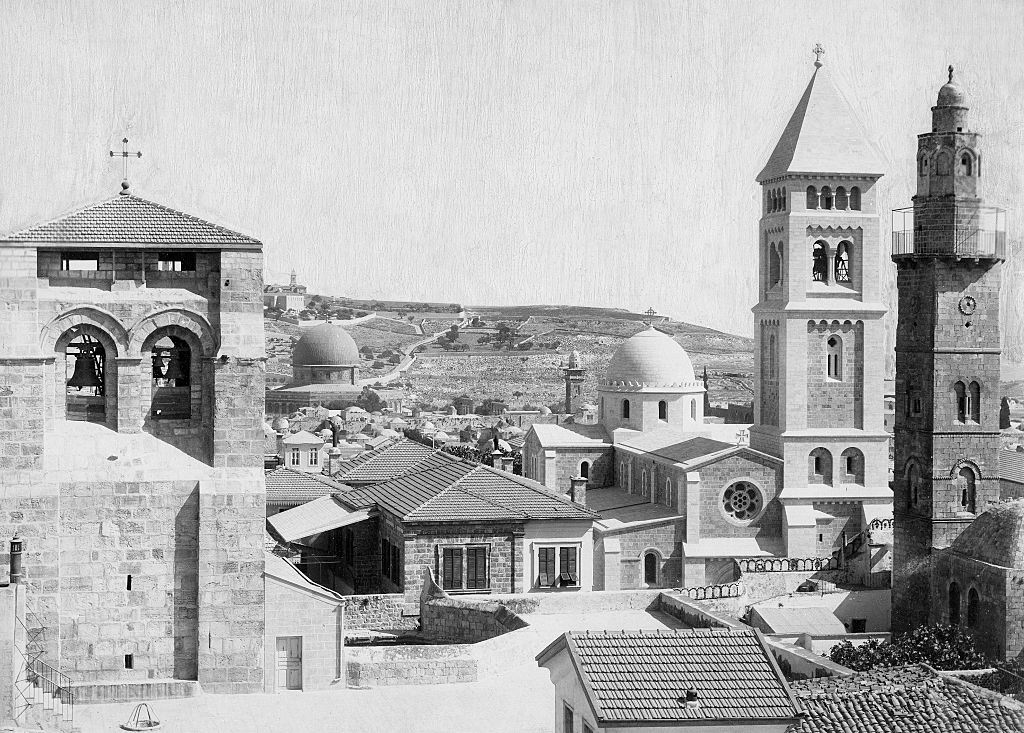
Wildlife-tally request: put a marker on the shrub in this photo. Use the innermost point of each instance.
(943, 647)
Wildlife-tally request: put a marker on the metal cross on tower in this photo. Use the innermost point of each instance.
(650, 313)
(126, 155)
(819, 51)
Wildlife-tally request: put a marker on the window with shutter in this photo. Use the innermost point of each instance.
(396, 563)
(567, 567)
(546, 563)
(385, 558)
(451, 568)
(476, 567)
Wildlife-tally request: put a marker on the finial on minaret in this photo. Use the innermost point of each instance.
(819, 51)
(951, 72)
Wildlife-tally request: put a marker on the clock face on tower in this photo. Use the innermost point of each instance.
(967, 305)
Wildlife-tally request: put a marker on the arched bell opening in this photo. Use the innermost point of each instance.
(86, 376)
(176, 390)
(171, 380)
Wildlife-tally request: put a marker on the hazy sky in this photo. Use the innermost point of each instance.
(488, 152)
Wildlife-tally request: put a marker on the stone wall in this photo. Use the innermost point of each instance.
(424, 545)
(716, 477)
(382, 612)
(409, 665)
(316, 618)
(835, 403)
(466, 621)
(665, 540)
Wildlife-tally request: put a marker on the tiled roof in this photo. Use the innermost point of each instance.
(643, 676)
(132, 220)
(459, 490)
(393, 458)
(824, 135)
(303, 437)
(679, 451)
(1011, 465)
(911, 699)
(288, 486)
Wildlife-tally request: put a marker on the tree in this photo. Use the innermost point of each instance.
(453, 332)
(1004, 414)
(943, 647)
(370, 400)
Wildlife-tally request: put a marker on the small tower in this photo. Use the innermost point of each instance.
(293, 280)
(574, 375)
(948, 249)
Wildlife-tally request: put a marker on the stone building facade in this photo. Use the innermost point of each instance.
(132, 365)
(947, 438)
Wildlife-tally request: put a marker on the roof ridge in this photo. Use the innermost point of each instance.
(539, 488)
(193, 217)
(495, 502)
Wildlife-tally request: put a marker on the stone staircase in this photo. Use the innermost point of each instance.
(46, 699)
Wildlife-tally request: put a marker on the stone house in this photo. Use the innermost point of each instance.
(476, 528)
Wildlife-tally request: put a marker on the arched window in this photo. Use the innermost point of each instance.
(922, 165)
(820, 468)
(662, 410)
(585, 469)
(855, 198)
(602, 408)
(644, 486)
(852, 463)
(974, 402)
(693, 410)
(960, 396)
(966, 165)
(819, 262)
(773, 355)
(826, 197)
(172, 380)
(954, 604)
(842, 264)
(670, 499)
(913, 483)
(842, 201)
(812, 197)
(650, 568)
(784, 198)
(967, 485)
(973, 601)
(942, 163)
(835, 358)
(625, 408)
(85, 378)
(774, 265)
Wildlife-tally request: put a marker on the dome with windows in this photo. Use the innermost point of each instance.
(996, 536)
(650, 359)
(325, 345)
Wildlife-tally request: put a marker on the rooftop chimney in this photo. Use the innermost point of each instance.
(578, 490)
(507, 463)
(280, 447)
(691, 699)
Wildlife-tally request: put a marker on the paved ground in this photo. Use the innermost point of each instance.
(519, 700)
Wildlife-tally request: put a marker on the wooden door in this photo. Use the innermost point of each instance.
(289, 663)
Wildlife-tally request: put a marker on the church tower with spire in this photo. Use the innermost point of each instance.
(818, 323)
(948, 249)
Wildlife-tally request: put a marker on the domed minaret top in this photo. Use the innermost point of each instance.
(950, 111)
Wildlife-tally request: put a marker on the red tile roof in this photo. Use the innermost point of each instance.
(390, 460)
(288, 486)
(463, 491)
(131, 220)
(910, 699)
(644, 675)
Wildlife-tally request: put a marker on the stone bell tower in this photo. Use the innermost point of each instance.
(818, 321)
(574, 375)
(948, 249)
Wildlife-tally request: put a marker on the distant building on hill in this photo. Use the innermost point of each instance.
(285, 297)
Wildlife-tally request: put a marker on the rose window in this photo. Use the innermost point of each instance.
(742, 501)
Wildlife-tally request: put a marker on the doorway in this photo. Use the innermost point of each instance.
(289, 663)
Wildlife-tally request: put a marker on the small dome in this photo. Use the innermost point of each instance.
(545, 410)
(650, 359)
(325, 345)
(280, 424)
(996, 536)
(951, 95)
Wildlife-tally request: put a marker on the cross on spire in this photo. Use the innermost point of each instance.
(818, 51)
(126, 155)
(650, 313)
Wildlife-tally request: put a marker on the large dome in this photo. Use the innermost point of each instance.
(325, 345)
(996, 536)
(650, 359)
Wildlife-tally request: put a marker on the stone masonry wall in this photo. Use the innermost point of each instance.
(424, 544)
(409, 665)
(715, 477)
(314, 617)
(665, 540)
(466, 621)
(835, 403)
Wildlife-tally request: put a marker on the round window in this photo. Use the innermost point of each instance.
(742, 501)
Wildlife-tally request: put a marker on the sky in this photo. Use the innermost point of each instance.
(593, 153)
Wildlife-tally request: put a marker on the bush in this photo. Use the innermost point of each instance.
(943, 647)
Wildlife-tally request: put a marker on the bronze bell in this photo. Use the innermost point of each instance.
(85, 374)
(158, 372)
(173, 370)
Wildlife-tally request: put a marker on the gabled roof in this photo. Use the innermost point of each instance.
(303, 437)
(288, 486)
(465, 491)
(910, 699)
(133, 221)
(393, 458)
(824, 135)
(996, 536)
(643, 676)
(674, 449)
(314, 517)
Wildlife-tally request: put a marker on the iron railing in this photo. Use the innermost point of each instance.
(978, 232)
(52, 687)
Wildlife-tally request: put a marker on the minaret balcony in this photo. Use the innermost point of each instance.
(949, 230)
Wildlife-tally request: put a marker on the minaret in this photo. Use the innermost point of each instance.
(948, 251)
(818, 326)
(574, 375)
(293, 280)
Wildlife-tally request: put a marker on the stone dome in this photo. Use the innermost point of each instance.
(280, 424)
(996, 536)
(951, 95)
(325, 345)
(650, 359)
